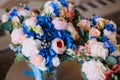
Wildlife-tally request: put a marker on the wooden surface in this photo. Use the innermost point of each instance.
(66, 71)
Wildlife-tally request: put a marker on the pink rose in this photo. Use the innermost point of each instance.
(58, 46)
(84, 24)
(73, 31)
(17, 36)
(38, 61)
(60, 23)
(15, 19)
(94, 32)
(67, 13)
(90, 42)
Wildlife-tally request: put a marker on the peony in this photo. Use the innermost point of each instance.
(98, 50)
(31, 22)
(58, 46)
(60, 23)
(17, 36)
(56, 61)
(84, 24)
(30, 47)
(73, 32)
(95, 71)
(4, 18)
(38, 61)
(94, 32)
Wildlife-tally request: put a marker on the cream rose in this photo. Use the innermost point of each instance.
(38, 61)
(94, 32)
(56, 61)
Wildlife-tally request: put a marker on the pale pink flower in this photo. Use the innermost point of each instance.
(15, 19)
(4, 18)
(84, 24)
(58, 46)
(31, 22)
(73, 31)
(60, 23)
(17, 36)
(38, 61)
(94, 32)
(67, 13)
(90, 42)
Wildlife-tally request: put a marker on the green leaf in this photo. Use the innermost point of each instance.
(111, 61)
(20, 57)
(7, 26)
(65, 57)
(83, 76)
(42, 7)
(77, 17)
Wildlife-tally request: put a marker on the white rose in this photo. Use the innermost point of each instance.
(94, 70)
(98, 50)
(56, 61)
(30, 47)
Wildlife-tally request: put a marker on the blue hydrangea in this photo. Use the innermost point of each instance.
(56, 8)
(109, 45)
(94, 19)
(64, 2)
(12, 13)
(30, 33)
(109, 27)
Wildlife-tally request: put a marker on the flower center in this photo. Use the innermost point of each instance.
(59, 44)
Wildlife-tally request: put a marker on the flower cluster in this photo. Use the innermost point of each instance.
(100, 52)
(42, 39)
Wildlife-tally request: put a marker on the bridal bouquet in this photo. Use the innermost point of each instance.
(42, 39)
(100, 56)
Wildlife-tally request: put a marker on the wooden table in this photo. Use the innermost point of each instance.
(66, 71)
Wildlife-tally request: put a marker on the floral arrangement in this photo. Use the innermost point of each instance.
(100, 55)
(43, 39)
(57, 32)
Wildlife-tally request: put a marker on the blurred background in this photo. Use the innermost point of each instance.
(106, 8)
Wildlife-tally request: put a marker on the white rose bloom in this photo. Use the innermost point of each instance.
(30, 47)
(116, 53)
(31, 22)
(4, 18)
(98, 50)
(94, 70)
(56, 61)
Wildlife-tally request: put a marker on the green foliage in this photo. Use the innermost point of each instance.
(20, 57)
(111, 61)
(7, 26)
(83, 76)
(77, 17)
(66, 57)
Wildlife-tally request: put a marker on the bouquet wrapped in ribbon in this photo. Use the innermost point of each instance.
(43, 39)
(100, 56)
